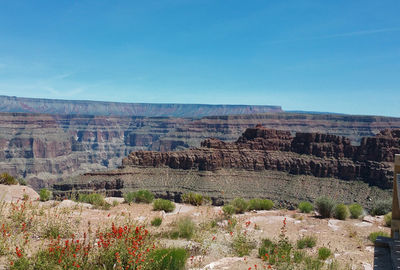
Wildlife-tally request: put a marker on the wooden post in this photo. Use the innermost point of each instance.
(395, 230)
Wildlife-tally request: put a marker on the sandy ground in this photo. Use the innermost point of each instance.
(211, 248)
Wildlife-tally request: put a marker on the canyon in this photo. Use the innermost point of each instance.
(47, 148)
(261, 163)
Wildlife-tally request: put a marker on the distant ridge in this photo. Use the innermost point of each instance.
(56, 106)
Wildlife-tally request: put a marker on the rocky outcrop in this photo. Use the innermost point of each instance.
(46, 148)
(320, 155)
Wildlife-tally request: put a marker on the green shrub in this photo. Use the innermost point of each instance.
(241, 245)
(260, 204)
(95, 199)
(279, 252)
(341, 212)
(168, 259)
(161, 204)
(325, 206)
(228, 210)
(307, 241)
(184, 228)
(388, 219)
(7, 179)
(324, 253)
(356, 210)
(240, 205)
(140, 196)
(381, 208)
(313, 264)
(372, 236)
(306, 207)
(44, 194)
(22, 181)
(156, 222)
(193, 198)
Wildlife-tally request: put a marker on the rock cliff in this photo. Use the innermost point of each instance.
(46, 148)
(320, 155)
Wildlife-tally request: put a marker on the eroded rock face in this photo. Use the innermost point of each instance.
(46, 148)
(320, 155)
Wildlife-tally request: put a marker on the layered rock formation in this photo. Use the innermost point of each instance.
(320, 155)
(54, 106)
(47, 148)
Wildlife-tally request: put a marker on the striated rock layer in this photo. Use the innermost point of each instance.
(47, 148)
(320, 155)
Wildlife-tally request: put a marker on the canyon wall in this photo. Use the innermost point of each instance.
(54, 106)
(320, 155)
(46, 148)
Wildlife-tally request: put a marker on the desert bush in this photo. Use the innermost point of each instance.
(156, 222)
(228, 210)
(95, 199)
(184, 228)
(242, 245)
(325, 206)
(341, 211)
(356, 210)
(312, 264)
(307, 241)
(161, 204)
(140, 196)
(193, 198)
(240, 205)
(44, 194)
(168, 259)
(388, 219)
(324, 253)
(7, 179)
(22, 181)
(305, 207)
(260, 204)
(372, 236)
(381, 208)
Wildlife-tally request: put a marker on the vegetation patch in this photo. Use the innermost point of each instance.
(306, 207)
(381, 208)
(372, 236)
(156, 222)
(325, 206)
(7, 179)
(260, 204)
(165, 205)
(168, 259)
(306, 242)
(95, 199)
(193, 199)
(356, 210)
(324, 253)
(341, 211)
(242, 245)
(388, 219)
(140, 196)
(45, 194)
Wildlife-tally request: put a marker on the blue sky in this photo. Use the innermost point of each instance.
(336, 56)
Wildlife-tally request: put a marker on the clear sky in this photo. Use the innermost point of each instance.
(331, 56)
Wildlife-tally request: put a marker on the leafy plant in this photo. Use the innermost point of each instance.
(168, 259)
(372, 236)
(184, 228)
(307, 241)
(240, 205)
(242, 245)
(156, 222)
(341, 211)
(7, 179)
(140, 196)
(388, 219)
(193, 198)
(324, 253)
(260, 204)
(22, 181)
(44, 194)
(228, 210)
(306, 207)
(325, 206)
(356, 210)
(161, 204)
(381, 208)
(95, 199)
